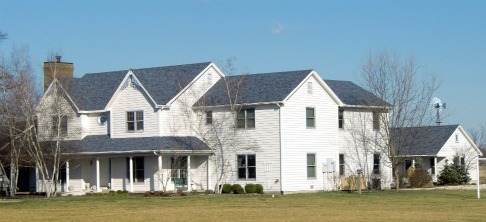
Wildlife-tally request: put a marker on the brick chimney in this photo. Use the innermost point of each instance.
(63, 71)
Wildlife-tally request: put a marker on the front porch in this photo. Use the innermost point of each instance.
(138, 173)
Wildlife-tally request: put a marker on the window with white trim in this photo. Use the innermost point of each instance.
(138, 169)
(311, 165)
(376, 163)
(341, 165)
(246, 166)
(310, 117)
(62, 126)
(376, 120)
(135, 121)
(245, 119)
(209, 117)
(457, 138)
(432, 166)
(341, 118)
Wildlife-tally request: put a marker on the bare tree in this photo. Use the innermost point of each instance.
(218, 126)
(399, 82)
(15, 76)
(478, 135)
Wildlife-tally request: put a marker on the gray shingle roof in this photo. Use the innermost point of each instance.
(426, 140)
(94, 90)
(254, 88)
(103, 143)
(352, 94)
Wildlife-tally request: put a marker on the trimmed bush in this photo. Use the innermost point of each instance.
(250, 188)
(237, 189)
(258, 188)
(420, 178)
(226, 188)
(453, 174)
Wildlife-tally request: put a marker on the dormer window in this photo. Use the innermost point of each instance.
(135, 121)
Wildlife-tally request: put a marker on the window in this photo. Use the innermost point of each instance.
(310, 119)
(209, 80)
(376, 120)
(209, 117)
(341, 165)
(432, 166)
(311, 165)
(463, 161)
(376, 163)
(135, 121)
(62, 125)
(247, 167)
(341, 118)
(457, 138)
(178, 166)
(309, 87)
(245, 119)
(138, 169)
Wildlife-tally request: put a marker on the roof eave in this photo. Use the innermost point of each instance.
(240, 104)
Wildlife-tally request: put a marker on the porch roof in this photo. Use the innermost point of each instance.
(422, 141)
(176, 144)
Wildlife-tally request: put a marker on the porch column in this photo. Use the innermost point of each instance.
(435, 167)
(188, 176)
(208, 178)
(97, 174)
(131, 173)
(67, 176)
(159, 172)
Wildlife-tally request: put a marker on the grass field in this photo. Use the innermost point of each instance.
(430, 205)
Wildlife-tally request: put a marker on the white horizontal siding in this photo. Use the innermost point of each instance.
(298, 140)
(133, 99)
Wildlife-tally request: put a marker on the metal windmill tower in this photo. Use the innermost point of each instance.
(439, 106)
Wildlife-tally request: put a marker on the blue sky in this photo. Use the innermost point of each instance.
(447, 38)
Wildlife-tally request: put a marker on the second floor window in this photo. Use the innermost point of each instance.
(135, 121)
(341, 118)
(376, 120)
(62, 126)
(209, 117)
(245, 119)
(310, 118)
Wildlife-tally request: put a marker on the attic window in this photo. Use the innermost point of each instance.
(209, 78)
(457, 138)
(309, 87)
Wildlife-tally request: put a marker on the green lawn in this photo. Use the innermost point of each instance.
(430, 205)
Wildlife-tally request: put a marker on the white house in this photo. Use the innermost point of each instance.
(437, 145)
(135, 129)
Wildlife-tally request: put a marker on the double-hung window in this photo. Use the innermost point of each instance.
(310, 117)
(376, 120)
(135, 121)
(138, 169)
(311, 165)
(209, 117)
(376, 163)
(247, 167)
(245, 119)
(60, 126)
(341, 118)
(341, 165)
